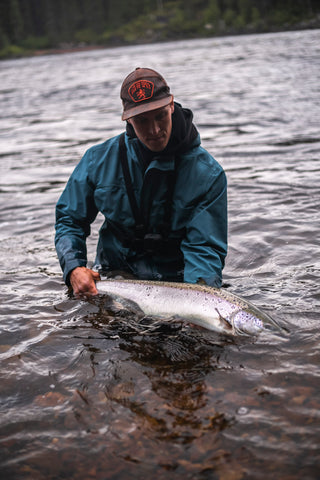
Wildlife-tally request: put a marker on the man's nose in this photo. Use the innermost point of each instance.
(154, 127)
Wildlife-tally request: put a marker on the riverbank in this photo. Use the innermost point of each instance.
(129, 35)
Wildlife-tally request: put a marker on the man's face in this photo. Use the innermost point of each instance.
(154, 128)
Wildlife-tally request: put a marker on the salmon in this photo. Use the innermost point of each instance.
(208, 307)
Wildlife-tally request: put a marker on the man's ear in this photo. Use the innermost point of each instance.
(172, 106)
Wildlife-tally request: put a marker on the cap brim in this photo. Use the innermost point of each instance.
(146, 107)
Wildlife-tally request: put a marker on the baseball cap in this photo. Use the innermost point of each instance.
(143, 90)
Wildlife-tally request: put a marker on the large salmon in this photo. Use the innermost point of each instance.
(211, 308)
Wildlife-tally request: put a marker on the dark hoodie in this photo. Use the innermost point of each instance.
(182, 137)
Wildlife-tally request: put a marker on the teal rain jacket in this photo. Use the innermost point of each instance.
(198, 214)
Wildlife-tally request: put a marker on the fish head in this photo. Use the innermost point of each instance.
(245, 323)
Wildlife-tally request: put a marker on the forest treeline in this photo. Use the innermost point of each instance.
(29, 25)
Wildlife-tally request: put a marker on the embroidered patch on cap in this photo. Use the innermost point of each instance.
(141, 90)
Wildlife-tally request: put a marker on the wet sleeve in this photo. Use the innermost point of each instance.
(205, 245)
(75, 211)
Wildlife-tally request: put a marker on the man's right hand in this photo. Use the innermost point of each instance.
(83, 280)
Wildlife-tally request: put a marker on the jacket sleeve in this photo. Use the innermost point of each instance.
(75, 211)
(205, 245)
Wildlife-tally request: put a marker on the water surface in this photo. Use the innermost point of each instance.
(81, 396)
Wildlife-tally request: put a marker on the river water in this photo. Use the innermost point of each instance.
(83, 398)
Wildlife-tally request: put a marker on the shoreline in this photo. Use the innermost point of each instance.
(65, 49)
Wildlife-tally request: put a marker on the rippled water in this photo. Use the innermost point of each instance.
(83, 398)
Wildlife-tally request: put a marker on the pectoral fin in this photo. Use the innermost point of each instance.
(224, 321)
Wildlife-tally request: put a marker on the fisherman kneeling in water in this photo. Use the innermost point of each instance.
(164, 197)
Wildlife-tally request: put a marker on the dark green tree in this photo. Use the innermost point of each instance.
(15, 22)
(39, 23)
(212, 14)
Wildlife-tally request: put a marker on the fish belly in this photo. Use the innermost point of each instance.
(167, 301)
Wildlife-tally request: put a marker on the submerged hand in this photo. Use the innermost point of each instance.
(83, 280)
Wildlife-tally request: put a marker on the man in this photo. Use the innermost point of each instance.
(164, 198)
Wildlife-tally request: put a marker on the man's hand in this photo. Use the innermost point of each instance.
(83, 280)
